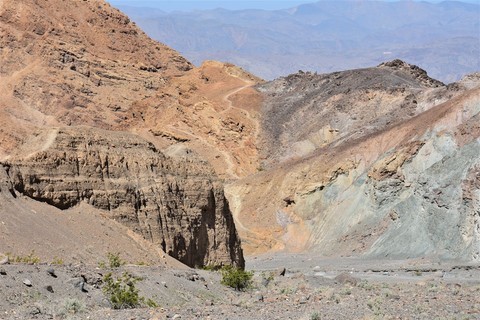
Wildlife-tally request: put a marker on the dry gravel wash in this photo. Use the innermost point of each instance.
(332, 289)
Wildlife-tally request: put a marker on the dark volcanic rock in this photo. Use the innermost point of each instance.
(306, 111)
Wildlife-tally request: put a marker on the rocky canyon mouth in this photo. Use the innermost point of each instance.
(349, 195)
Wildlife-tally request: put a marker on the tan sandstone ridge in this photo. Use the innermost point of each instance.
(76, 78)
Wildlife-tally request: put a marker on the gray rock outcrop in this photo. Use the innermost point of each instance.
(388, 179)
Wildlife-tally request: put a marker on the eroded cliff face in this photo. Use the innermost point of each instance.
(174, 201)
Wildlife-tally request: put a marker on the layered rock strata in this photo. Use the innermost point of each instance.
(173, 201)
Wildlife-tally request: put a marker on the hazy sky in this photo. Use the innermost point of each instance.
(188, 5)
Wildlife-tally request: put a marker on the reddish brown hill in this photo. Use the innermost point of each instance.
(74, 62)
(213, 110)
(80, 66)
(85, 63)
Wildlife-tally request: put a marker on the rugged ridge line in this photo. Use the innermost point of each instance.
(379, 163)
(172, 201)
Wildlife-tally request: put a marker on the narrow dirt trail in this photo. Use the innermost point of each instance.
(232, 194)
(226, 98)
(244, 112)
(235, 207)
(226, 156)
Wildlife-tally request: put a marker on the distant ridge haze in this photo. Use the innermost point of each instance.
(326, 36)
(169, 6)
(181, 5)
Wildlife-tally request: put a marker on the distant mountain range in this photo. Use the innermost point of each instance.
(443, 38)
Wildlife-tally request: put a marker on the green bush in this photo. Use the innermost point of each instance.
(315, 316)
(150, 303)
(114, 261)
(122, 292)
(236, 278)
(28, 259)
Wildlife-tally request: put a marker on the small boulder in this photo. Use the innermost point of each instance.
(265, 282)
(27, 282)
(345, 277)
(51, 272)
(258, 297)
(281, 271)
(303, 299)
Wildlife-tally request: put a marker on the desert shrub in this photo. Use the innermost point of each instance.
(73, 306)
(114, 261)
(315, 316)
(288, 291)
(57, 261)
(376, 306)
(150, 303)
(123, 293)
(31, 258)
(236, 278)
(364, 284)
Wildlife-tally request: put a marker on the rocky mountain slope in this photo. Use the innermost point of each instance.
(388, 171)
(347, 163)
(70, 63)
(341, 106)
(75, 80)
(213, 110)
(111, 142)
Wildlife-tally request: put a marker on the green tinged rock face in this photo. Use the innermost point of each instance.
(395, 177)
(411, 202)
